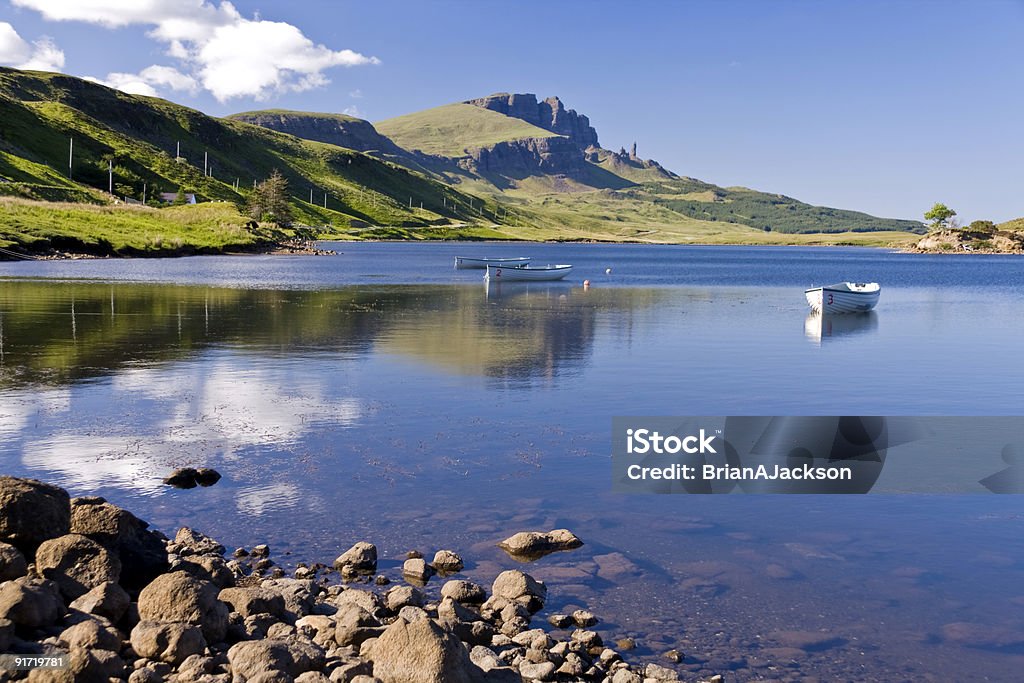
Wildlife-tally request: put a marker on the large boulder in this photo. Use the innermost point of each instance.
(31, 603)
(32, 512)
(292, 658)
(77, 564)
(141, 551)
(172, 642)
(421, 652)
(181, 597)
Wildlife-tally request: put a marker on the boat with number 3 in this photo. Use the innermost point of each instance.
(844, 297)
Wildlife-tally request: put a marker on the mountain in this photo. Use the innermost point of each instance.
(502, 166)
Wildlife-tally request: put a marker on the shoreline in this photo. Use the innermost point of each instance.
(290, 250)
(87, 585)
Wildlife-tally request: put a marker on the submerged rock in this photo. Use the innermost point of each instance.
(417, 571)
(183, 478)
(531, 545)
(361, 557)
(447, 561)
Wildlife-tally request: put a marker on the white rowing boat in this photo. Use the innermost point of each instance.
(527, 273)
(465, 262)
(844, 297)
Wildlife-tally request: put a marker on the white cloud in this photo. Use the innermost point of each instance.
(41, 55)
(353, 110)
(227, 54)
(148, 80)
(356, 94)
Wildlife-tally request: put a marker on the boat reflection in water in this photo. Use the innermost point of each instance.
(818, 327)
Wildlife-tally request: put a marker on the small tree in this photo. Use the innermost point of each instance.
(269, 201)
(982, 226)
(941, 216)
(180, 199)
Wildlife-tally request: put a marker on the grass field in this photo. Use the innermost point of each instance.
(127, 230)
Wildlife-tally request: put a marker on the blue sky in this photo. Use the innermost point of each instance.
(885, 107)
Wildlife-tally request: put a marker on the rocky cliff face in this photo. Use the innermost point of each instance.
(346, 132)
(532, 156)
(550, 115)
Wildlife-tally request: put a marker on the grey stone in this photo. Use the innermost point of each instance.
(77, 564)
(447, 561)
(520, 587)
(291, 657)
(141, 551)
(168, 642)
(421, 652)
(107, 599)
(30, 603)
(361, 557)
(465, 592)
(184, 598)
(535, 544)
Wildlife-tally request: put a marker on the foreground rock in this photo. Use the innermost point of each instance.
(77, 564)
(208, 619)
(531, 545)
(420, 651)
(141, 551)
(32, 512)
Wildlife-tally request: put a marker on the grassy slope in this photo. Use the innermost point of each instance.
(452, 128)
(39, 112)
(1017, 225)
(126, 230)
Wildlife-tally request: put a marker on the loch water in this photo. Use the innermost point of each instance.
(382, 395)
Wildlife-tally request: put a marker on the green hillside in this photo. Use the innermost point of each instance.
(704, 201)
(139, 136)
(1016, 225)
(451, 129)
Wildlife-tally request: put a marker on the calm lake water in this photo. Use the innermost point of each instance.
(382, 395)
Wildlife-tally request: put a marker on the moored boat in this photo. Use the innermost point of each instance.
(844, 297)
(466, 262)
(527, 273)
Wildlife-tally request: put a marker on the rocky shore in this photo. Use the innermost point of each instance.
(85, 579)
